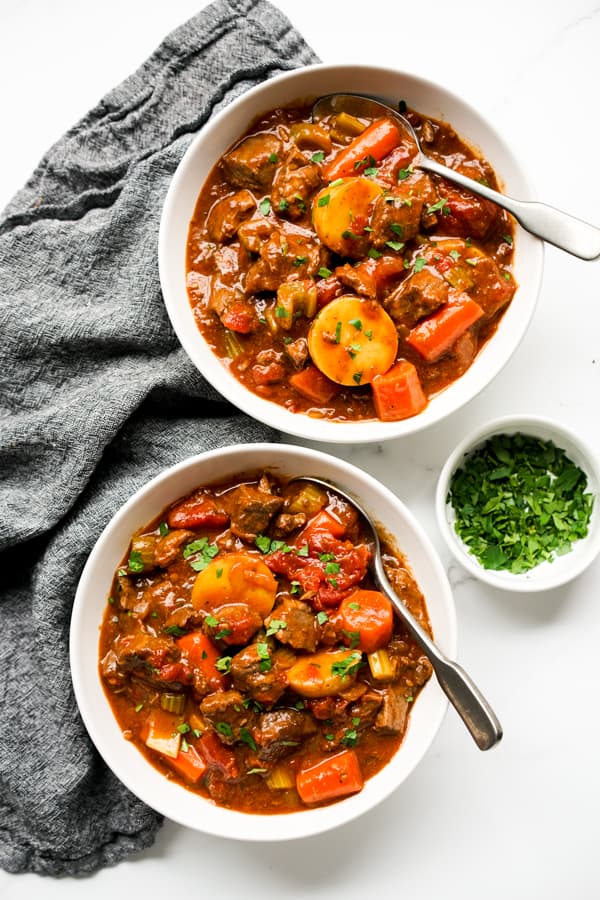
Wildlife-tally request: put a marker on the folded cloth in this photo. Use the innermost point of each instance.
(96, 397)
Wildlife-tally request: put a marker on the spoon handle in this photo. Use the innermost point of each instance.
(559, 228)
(465, 696)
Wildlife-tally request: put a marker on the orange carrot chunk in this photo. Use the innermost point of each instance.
(397, 394)
(190, 764)
(335, 776)
(437, 333)
(367, 617)
(376, 141)
(313, 385)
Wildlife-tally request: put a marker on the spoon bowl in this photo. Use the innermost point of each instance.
(558, 228)
(464, 695)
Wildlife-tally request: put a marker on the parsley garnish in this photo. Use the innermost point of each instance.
(199, 553)
(163, 529)
(373, 253)
(395, 245)
(175, 630)
(247, 738)
(299, 260)
(324, 200)
(262, 651)
(224, 728)
(272, 157)
(276, 625)
(338, 332)
(357, 377)
(419, 264)
(223, 664)
(519, 501)
(356, 323)
(347, 666)
(322, 617)
(318, 157)
(324, 272)
(336, 182)
(403, 174)
(437, 207)
(135, 562)
(283, 204)
(265, 206)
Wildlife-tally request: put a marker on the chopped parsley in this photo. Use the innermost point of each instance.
(163, 529)
(357, 377)
(300, 260)
(272, 157)
(265, 206)
(283, 205)
(348, 666)
(318, 157)
(395, 245)
(324, 272)
(135, 562)
(397, 229)
(419, 264)
(338, 332)
(373, 253)
(247, 738)
(262, 650)
(175, 630)
(281, 312)
(519, 501)
(212, 621)
(440, 206)
(276, 625)
(223, 664)
(322, 617)
(324, 200)
(224, 728)
(356, 323)
(403, 174)
(507, 238)
(350, 738)
(199, 553)
(267, 545)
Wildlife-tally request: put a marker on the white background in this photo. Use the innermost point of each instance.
(521, 821)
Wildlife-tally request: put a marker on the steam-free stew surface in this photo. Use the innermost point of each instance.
(336, 280)
(246, 653)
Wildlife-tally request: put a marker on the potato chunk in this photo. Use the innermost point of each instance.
(352, 340)
(342, 211)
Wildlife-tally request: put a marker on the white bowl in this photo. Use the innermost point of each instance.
(128, 763)
(547, 575)
(222, 131)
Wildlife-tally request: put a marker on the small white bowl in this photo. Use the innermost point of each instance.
(128, 764)
(311, 82)
(547, 575)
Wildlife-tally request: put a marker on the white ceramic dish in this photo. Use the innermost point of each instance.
(222, 131)
(127, 762)
(547, 575)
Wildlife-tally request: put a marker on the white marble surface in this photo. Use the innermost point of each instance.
(522, 821)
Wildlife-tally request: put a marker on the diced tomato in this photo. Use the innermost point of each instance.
(322, 521)
(272, 373)
(197, 512)
(202, 654)
(240, 317)
(218, 756)
(328, 289)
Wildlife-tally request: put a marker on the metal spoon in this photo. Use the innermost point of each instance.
(466, 698)
(559, 228)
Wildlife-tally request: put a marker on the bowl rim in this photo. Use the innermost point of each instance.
(543, 577)
(490, 360)
(131, 767)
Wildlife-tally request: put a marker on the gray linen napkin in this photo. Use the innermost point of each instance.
(96, 397)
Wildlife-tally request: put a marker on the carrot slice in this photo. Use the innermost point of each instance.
(313, 385)
(369, 616)
(438, 332)
(335, 776)
(190, 764)
(375, 141)
(397, 394)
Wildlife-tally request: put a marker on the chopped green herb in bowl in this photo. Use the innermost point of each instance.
(516, 503)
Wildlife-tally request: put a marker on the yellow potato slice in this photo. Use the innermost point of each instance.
(324, 674)
(341, 212)
(237, 578)
(352, 339)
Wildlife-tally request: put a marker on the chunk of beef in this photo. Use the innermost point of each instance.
(366, 708)
(285, 523)
(419, 295)
(264, 680)
(372, 277)
(227, 214)
(226, 712)
(285, 255)
(300, 627)
(397, 213)
(393, 715)
(251, 509)
(253, 162)
(169, 547)
(233, 308)
(297, 352)
(399, 159)
(141, 652)
(294, 183)
(131, 596)
(281, 732)
(269, 367)
(253, 234)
